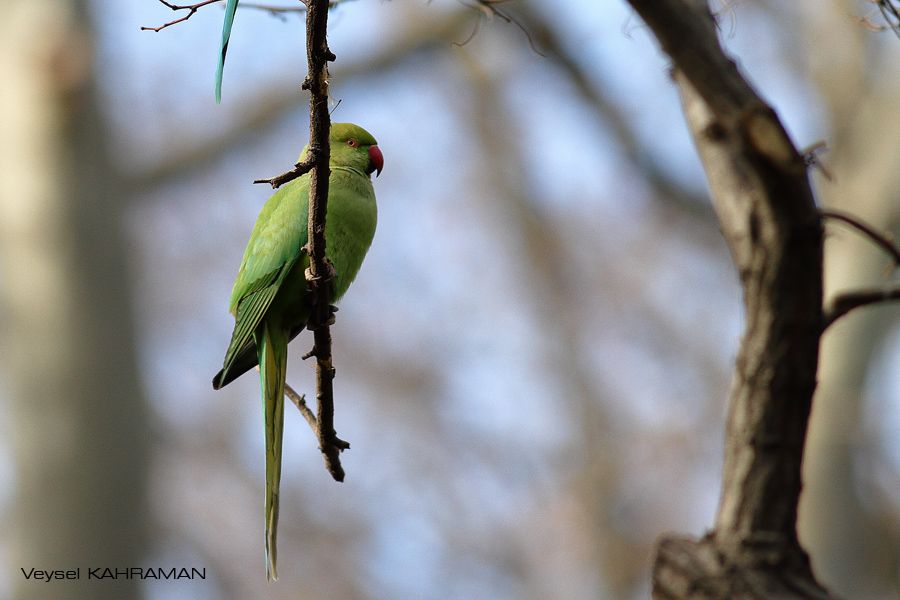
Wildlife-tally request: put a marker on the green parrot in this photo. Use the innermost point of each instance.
(230, 9)
(270, 297)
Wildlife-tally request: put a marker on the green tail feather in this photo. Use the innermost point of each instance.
(272, 346)
(230, 8)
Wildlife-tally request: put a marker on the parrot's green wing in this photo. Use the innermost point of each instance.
(230, 9)
(277, 238)
(275, 246)
(250, 311)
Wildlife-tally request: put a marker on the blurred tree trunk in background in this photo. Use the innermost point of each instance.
(853, 548)
(78, 425)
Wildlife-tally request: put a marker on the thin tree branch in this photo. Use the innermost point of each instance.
(811, 158)
(844, 302)
(299, 401)
(882, 240)
(300, 169)
(320, 274)
(191, 8)
(891, 14)
(269, 8)
(489, 9)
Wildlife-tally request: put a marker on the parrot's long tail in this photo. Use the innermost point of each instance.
(271, 343)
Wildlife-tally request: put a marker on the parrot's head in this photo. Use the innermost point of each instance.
(352, 146)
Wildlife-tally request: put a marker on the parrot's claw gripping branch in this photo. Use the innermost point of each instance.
(321, 317)
(322, 278)
(329, 321)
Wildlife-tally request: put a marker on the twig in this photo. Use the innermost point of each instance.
(269, 8)
(844, 302)
(489, 9)
(300, 169)
(882, 240)
(306, 412)
(191, 8)
(299, 401)
(320, 273)
(891, 14)
(811, 158)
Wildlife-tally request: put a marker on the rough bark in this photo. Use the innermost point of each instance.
(765, 208)
(320, 272)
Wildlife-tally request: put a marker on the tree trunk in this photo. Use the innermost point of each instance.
(767, 214)
(78, 426)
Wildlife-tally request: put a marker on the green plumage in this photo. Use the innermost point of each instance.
(270, 296)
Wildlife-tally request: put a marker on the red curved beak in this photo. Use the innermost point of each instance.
(376, 160)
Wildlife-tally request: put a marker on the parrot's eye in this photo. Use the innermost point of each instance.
(353, 143)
